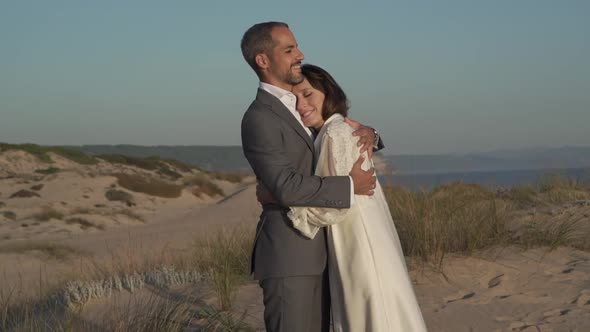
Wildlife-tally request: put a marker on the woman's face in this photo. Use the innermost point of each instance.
(309, 104)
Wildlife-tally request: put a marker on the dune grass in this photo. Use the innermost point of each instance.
(461, 218)
(222, 262)
(547, 233)
(452, 218)
(225, 259)
(555, 188)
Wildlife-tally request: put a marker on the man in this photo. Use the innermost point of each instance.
(290, 268)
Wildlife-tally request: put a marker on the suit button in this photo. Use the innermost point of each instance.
(339, 203)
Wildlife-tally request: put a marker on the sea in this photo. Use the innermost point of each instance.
(490, 179)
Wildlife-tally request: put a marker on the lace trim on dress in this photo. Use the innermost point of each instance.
(340, 148)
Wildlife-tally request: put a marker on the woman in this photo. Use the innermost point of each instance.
(369, 283)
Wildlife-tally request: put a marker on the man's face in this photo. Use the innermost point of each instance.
(285, 58)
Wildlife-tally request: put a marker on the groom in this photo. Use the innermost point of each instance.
(289, 267)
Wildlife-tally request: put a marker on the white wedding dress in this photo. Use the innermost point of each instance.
(369, 283)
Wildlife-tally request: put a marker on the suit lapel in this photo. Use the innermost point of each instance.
(279, 109)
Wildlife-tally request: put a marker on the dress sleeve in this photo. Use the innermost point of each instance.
(337, 155)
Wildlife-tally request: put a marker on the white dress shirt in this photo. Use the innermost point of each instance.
(290, 101)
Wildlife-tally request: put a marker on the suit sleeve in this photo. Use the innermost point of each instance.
(262, 144)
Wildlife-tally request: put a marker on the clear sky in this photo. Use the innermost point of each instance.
(431, 76)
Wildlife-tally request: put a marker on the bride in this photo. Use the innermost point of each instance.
(369, 283)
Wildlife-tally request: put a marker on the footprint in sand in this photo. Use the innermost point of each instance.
(495, 281)
(568, 270)
(583, 300)
(521, 326)
(556, 316)
(459, 297)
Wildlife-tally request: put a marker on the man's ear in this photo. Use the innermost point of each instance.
(262, 61)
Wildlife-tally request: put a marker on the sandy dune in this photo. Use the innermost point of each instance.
(500, 289)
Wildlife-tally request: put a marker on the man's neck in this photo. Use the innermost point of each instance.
(278, 84)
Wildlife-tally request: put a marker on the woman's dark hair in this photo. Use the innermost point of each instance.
(335, 100)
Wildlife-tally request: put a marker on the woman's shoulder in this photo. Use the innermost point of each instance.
(337, 127)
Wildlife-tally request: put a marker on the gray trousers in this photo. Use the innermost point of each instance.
(298, 304)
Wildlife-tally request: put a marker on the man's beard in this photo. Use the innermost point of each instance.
(294, 79)
(290, 77)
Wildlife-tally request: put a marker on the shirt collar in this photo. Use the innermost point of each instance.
(275, 90)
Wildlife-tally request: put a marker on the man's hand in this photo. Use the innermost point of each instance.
(367, 136)
(263, 195)
(364, 181)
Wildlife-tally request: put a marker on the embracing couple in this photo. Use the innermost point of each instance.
(325, 245)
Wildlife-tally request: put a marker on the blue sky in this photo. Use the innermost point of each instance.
(431, 76)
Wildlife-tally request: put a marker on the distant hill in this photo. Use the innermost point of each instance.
(225, 158)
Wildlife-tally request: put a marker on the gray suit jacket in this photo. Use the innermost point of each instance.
(281, 154)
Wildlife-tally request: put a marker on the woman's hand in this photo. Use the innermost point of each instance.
(367, 136)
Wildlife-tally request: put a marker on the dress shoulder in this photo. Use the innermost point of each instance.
(338, 128)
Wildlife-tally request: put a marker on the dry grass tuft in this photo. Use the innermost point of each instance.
(149, 186)
(84, 224)
(48, 213)
(130, 214)
(24, 194)
(9, 215)
(115, 195)
(47, 171)
(233, 177)
(203, 185)
(37, 187)
(51, 250)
